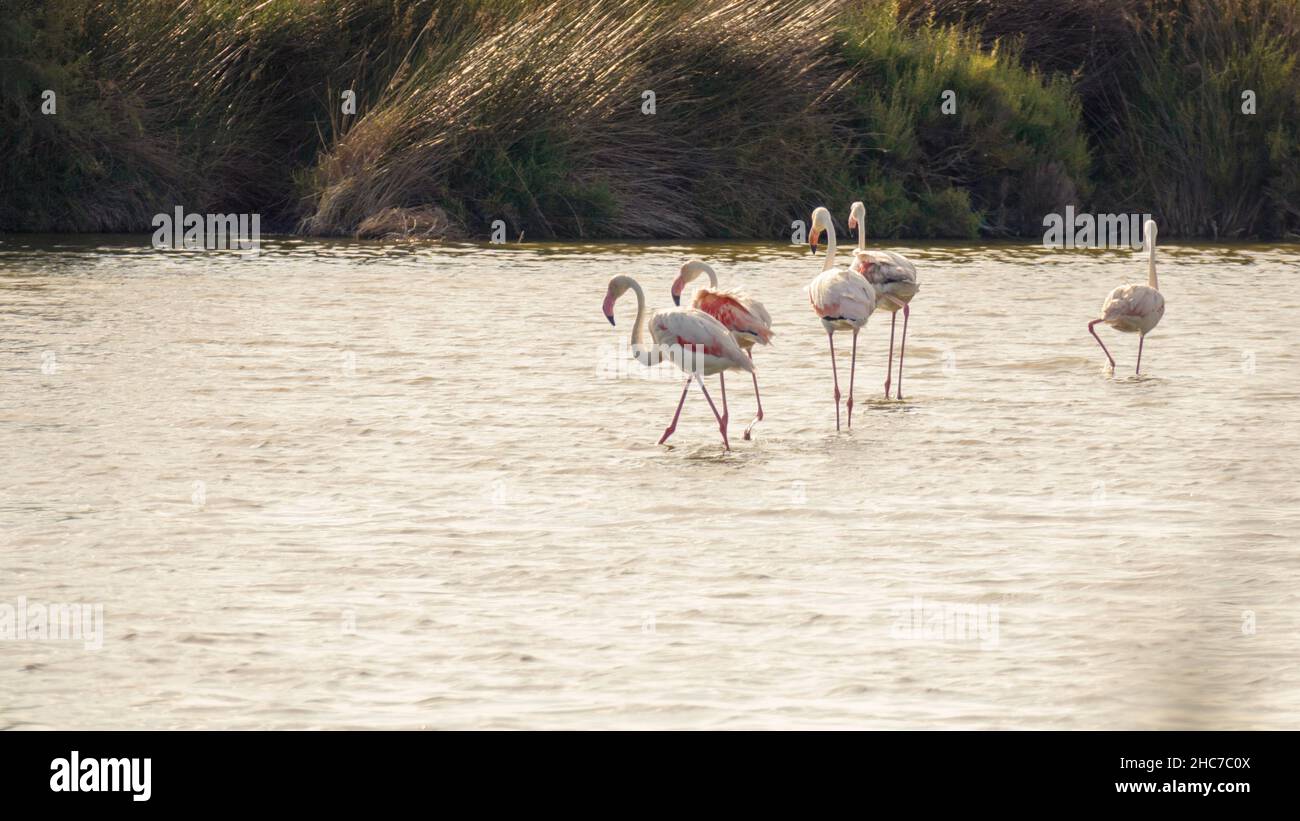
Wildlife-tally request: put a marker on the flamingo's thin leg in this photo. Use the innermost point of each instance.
(1093, 331)
(726, 414)
(757, 399)
(721, 425)
(668, 431)
(1141, 339)
(830, 337)
(853, 366)
(902, 348)
(889, 366)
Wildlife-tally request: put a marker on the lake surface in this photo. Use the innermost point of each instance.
(352, 484)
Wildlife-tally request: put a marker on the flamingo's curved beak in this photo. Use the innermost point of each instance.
(678, 285)
(853, 223)
(813, 245)
(610, 317)
(677, 299)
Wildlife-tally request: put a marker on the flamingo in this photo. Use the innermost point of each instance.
(894, 278)
(842, 298)
(1134, 308)
(696, 342)
(746, 318)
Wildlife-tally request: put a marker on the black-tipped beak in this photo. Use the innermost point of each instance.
(610, 317)
(813, 246)
(677, 299)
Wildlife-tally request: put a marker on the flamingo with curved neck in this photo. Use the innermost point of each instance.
(696, 342)
(746, 318)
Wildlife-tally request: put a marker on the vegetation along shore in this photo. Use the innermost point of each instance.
(537, 114)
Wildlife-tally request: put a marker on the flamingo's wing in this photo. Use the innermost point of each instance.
(736, 311)
(842, 294)
(885, 267)
(1132, 300)
(695, 329)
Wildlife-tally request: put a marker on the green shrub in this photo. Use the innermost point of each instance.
(1009, 126)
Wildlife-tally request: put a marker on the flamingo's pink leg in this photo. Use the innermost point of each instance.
(889, 366)
(1093, 331)
(853, 366)
(902, 348)
(721, 425)
(830, 337)
(1141, 338)
(757, 399)
(726, 414)
(668, 431)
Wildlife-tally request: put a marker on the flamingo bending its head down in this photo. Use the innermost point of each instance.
(894, 278)
(746, 318)
(1134, 308)
(841, 298)
(696, 342)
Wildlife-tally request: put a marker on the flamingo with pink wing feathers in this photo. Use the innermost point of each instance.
(696, 342)
(746, 318)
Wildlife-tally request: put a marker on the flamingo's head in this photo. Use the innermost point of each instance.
(857, 215)
(617, 287)
(821, 222)
(689, 272)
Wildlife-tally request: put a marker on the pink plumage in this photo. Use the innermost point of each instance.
(746, 318)
(694, 341)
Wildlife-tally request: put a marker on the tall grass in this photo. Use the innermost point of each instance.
(213, 104)
(540, 123)
(1161, 90)
(530, 111)
(1186, 145)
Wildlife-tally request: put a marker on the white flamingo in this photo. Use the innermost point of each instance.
(1134, 308)
(841, 298)
(894, 278)
(696, 342)
(746, 318)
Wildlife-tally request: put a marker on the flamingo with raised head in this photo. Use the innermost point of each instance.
(1134, 308)
(746, 318)
(695, 342)
(894, 278)
(842, 300)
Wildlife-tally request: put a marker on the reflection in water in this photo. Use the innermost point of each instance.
(349, 484)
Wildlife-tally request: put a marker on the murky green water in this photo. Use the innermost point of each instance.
(349, 484)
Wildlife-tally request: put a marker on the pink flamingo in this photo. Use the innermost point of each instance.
(746, 318)
(894, 278)
(696, 342)
(1134, 308)
(843, 299)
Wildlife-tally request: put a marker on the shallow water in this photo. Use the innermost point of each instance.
(349, 484)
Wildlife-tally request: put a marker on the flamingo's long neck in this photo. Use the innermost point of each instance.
(1151, 266)
(830, 247)
(713, 277)
(643, 352)
(862, 232)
